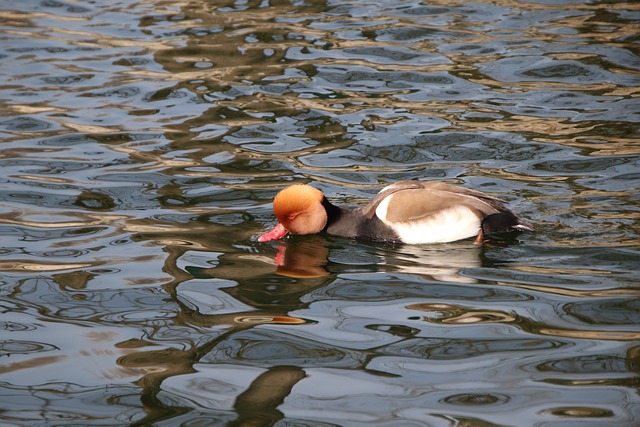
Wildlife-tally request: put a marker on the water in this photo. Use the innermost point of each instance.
(142, 143)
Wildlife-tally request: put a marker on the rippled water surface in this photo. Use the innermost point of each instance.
(142, 143)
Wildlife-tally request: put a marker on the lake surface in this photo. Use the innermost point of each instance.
(142, 142)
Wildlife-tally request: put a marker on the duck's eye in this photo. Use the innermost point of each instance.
(293, 216)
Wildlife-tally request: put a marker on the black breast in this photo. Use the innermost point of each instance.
(353, 223)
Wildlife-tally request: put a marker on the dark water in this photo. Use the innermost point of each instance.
(142, 143)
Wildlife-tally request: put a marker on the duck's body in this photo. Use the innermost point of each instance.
(406, 212)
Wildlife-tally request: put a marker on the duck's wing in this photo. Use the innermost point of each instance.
(409, 201)
(370, 210)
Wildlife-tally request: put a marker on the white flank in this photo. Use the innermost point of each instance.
(449, 225)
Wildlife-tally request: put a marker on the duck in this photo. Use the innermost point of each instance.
(411, 212)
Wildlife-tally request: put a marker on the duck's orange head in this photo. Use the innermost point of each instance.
(299, 210)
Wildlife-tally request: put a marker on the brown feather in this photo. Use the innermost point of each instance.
(415, 205)
(413, 200)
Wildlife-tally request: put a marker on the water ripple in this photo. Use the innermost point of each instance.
(142, 144)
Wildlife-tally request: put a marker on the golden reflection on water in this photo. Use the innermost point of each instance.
(31, 363)
(458, 315)
(36, 267)
(596, 335)
(450, 314)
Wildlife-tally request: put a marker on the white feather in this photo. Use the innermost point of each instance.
(381, 210)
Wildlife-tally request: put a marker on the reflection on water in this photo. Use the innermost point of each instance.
(142, 143)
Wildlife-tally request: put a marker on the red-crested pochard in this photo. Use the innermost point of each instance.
(404, 212)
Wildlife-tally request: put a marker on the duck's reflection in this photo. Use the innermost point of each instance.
(266, 291)
(255, 296)
(302, 258)
(307, 257)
